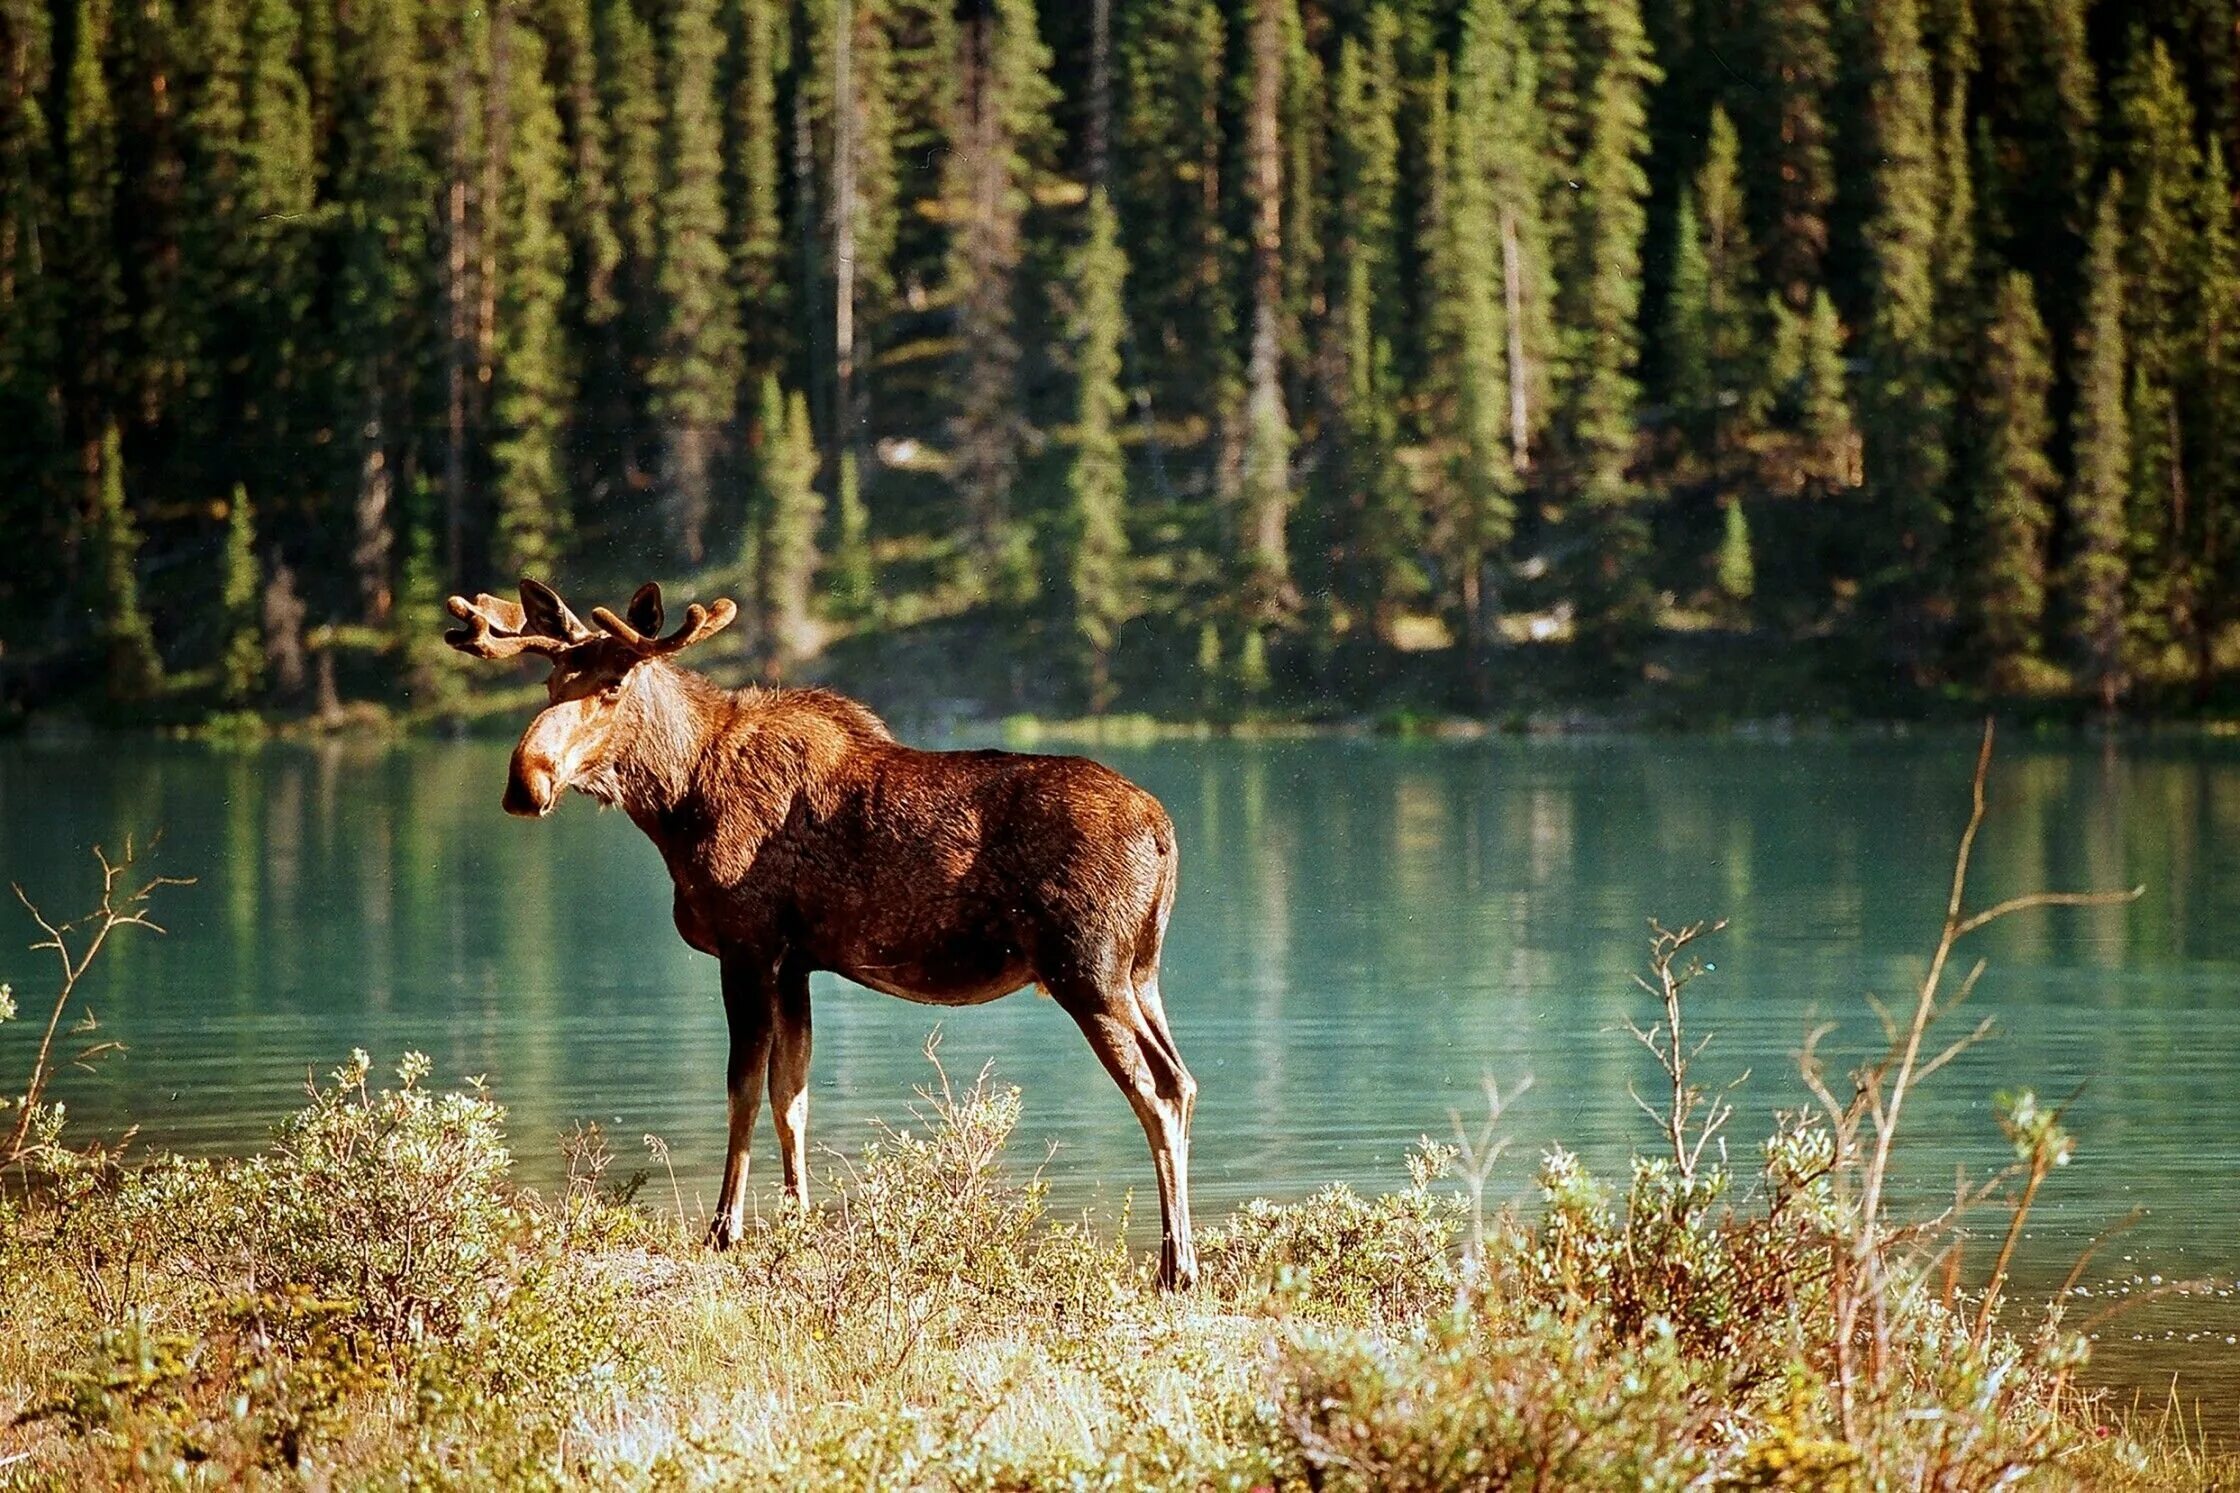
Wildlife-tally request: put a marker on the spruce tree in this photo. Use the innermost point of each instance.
(851, 579)
(2214, 414)
(29, 369)
(791, 512)
(530, 402)
(2161, 163)
(630, 94)
(1100, 594)
(85, 265)
(1372, 533)
(2100, 465)
(1263, 562)
(2016, 485)
(1794, 187)
(241, 664)
(757, 236)
(1905, 402)
(1003, 133)
(1469, 317)
(132, 671)
(381, 245)
(1825, 423)
(1714, 374)
(1599, 309)
(696, 368)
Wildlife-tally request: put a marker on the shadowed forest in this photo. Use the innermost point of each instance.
(1195, 357)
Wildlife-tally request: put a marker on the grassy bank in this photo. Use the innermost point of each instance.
(369, 1303)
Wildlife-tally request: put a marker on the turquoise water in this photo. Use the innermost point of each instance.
(1365, 927)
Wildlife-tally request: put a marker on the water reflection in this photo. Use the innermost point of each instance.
(1363, 928)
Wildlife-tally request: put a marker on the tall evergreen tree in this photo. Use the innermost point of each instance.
(2214, 385)
(1003, 131)
(1265, 498)
(132, 670)
(30, 373)
(1599, 307)
(241, 663)
(2161, 163)
(533, 384)
(630, 94)
(382, 183)
(2100, 465)
(1371, 531)
(1712, 342)
(2015, 486)
(696, 370)
(1795, 185)
(757, 235)
(1100, 595)
(790, 513)
(85, 264)
(1905, 402)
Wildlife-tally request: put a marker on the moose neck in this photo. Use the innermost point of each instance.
(659, 737)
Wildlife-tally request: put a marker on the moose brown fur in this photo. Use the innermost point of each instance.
(801, 836)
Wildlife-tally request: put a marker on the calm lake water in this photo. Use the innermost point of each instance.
(1364, 928)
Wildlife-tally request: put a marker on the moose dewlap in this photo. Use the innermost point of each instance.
(801, 836)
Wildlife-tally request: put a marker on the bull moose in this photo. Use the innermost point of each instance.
(802, 836)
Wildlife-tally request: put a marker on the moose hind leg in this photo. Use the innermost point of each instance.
(749, 1006)
(1142, 1060)
(789, 1081)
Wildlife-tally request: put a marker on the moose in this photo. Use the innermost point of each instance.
(802, 836)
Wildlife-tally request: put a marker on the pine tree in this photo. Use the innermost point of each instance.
(1904, 401)
(1263, 562)
(1003, 132)
(2016, 485)
(1715, 381)
(1795, 186)
(630, 94)
(791, 512)
(1170, 199)
(851, 580)
(2100, 465)
(530, 401)
(85, 265)
(241, 665)
(1371, 536)
(1469, 319)
(696, 369)
(383, 183)
(757, 236)
(1100, 594)
(594, 249)
(29, 369)
(2214, 414)
(132, 671)
(1599, 308)
(2161, 258)
(1825, 423)
(1737, 570)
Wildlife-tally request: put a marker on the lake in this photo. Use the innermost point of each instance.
(1364, 928)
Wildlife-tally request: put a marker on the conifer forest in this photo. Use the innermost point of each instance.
(1172, 353)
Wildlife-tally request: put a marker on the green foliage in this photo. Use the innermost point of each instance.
(1096, 528)
(2100, 465)
(1738, 571)
(133, 669)
(1395, 278)
(2014, 501)
(789, 513)
(241, 607)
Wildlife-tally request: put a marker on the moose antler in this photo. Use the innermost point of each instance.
(496, 628)
(643, 629)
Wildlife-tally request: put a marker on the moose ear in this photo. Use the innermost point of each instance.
(547, 615)
(644, 612)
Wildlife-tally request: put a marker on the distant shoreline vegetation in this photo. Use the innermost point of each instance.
(1204, 359)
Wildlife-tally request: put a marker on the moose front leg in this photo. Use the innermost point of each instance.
(750, 1006)
(789, 1080)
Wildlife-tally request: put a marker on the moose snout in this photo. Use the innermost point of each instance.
(530, 788)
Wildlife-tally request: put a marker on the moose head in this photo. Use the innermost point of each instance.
(597, 709)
